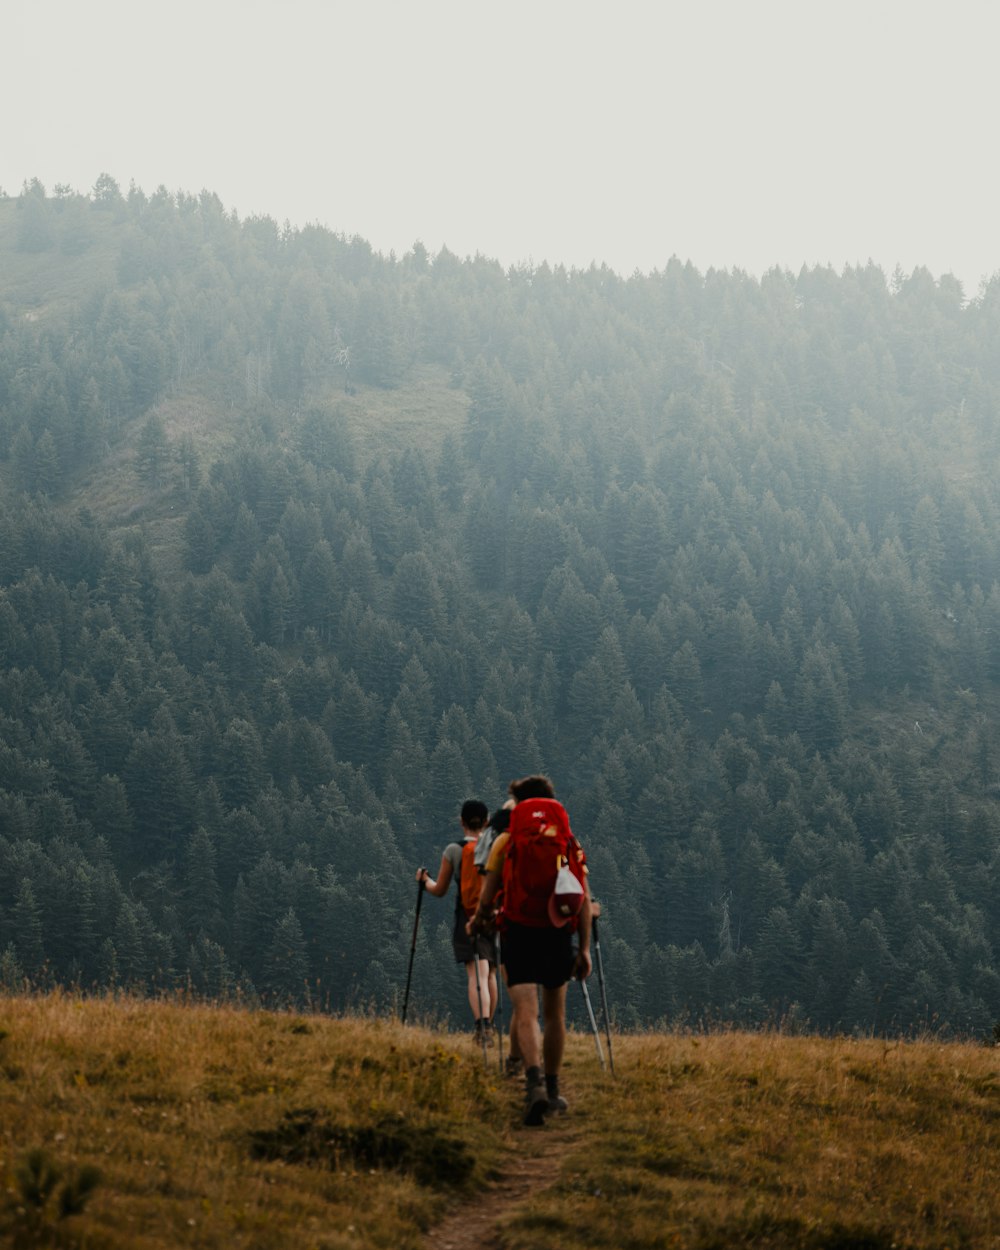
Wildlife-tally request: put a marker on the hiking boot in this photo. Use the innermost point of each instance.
(537, 1105)
(558, 1105)
(483, 1030)
(513, 1065)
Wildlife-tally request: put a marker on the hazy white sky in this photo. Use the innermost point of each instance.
(747, 134)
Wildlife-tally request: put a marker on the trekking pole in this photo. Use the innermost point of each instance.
(604, 994)
(496, 957)
(593, 1021)
(413, 945)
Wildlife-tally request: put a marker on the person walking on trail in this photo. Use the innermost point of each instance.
(476, 952)
(541, 869)
(499, 823)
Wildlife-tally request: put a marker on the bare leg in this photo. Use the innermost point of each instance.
(529, 1039)
(515, 1049)
(474, 988)
(554, 1042)
(525, 1033)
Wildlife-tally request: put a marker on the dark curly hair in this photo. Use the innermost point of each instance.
(534, 787)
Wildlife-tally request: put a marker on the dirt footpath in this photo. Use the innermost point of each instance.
(533, 1167)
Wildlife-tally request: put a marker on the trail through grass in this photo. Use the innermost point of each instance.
(178, 1125)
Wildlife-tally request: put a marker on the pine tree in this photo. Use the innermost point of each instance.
(200, 541)
(202, 896)
(160, 790)
(209, 972)
(285, 979)
(241, 763)
(780, 961)
(152, 456)
(48, 470)
(26, 916)
(131, 961)
(245, 541)
(320, 586)
(381, 354)
(35, 232)
(417, 602)
(12, 978)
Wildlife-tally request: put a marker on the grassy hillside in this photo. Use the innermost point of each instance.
(41, 284)
(223, 1128)
(418, 415)
(48, 285)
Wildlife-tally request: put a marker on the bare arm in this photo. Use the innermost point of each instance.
(440, 886)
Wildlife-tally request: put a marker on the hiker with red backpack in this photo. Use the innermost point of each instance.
(541, 869)
(499, 823)
(476, 952)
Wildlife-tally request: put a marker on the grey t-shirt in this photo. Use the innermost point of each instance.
(453, 854)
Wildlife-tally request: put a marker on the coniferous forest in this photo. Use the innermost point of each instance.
(302, 545)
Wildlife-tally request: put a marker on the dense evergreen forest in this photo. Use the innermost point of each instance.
(302, 545)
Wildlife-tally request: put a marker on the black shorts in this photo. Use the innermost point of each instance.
(466, 949)
(543, 956)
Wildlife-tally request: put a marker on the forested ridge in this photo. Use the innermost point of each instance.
(304, 544)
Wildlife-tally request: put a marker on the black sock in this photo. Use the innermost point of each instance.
(552, 1084)
(533, 1076)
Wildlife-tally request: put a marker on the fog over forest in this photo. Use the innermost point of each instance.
(305, 543)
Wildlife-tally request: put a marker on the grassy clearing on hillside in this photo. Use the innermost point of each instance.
(43, 283)
(215, 1127)
(417, 414)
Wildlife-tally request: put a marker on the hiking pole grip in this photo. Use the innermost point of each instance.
(604, 993)
(413, 944)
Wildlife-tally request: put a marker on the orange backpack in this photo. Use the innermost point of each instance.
(470, 879)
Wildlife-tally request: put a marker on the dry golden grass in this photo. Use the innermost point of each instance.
(215, 1127)
(770, 1141)
(221, 1128)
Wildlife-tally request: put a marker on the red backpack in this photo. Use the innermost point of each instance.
(540, 843)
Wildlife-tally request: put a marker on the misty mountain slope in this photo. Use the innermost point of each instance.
(303, 545)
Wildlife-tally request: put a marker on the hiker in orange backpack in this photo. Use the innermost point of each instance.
(475, 952)
(499, 823)
(542, 871)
